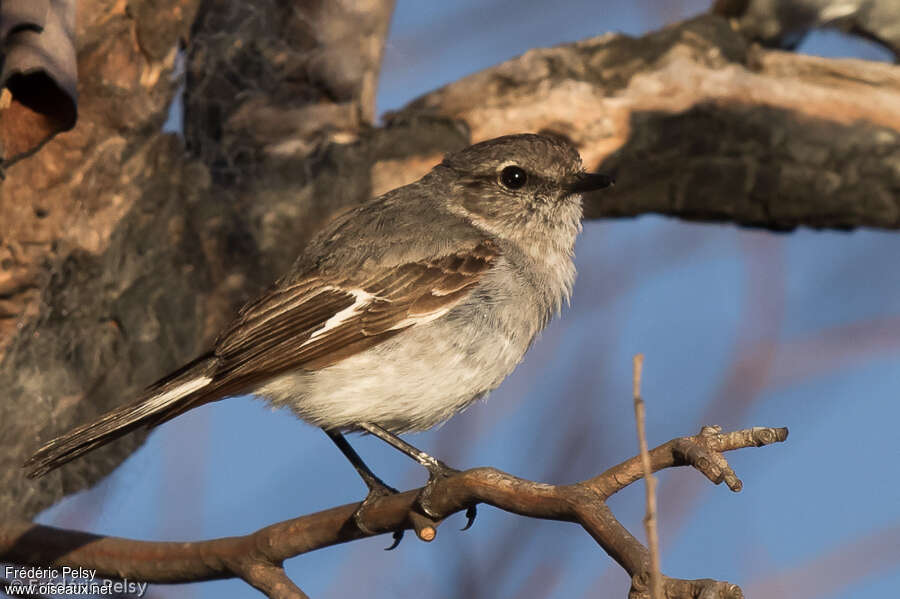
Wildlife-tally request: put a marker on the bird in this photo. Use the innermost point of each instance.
(398, 314)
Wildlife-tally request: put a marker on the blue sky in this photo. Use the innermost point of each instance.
(739, 328)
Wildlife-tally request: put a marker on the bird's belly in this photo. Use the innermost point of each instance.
(411, 382)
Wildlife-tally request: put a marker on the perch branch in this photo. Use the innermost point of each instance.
(257, 558)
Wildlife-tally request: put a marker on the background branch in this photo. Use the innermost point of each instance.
(640, 417)
(799, 140)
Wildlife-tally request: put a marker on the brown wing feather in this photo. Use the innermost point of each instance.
(287, 328)
(298, 319)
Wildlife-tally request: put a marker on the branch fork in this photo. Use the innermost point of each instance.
(257, 558)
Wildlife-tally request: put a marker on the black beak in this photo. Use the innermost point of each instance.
(583, 182)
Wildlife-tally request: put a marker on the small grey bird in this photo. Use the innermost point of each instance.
(400, 313)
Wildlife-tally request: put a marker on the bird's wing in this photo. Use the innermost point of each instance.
(309, 323)
(318, 321)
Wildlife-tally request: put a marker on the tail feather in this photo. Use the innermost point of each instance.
(170, 394)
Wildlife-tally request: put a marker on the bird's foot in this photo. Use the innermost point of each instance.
(438, 470)
(377, 490)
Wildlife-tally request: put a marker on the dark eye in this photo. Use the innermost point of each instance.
(513, 177)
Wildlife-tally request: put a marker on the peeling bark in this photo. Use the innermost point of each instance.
(696, 123)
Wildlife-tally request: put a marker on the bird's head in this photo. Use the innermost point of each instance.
(520, 185)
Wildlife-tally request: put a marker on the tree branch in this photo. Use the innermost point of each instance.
(697, 123)
(258, 557)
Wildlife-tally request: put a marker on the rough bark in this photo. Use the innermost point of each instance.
(91, 225)
(784, 23)
(37, 72)
(122, 254)
(695, 122)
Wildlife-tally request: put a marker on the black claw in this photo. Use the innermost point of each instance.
(425, 504)
(398, 536)
(471, 512)
(435, 473)
(377, 490)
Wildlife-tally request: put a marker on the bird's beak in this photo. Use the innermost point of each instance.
(583, 182)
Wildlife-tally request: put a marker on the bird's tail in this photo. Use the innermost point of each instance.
(159, 402)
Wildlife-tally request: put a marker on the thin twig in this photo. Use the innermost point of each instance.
(656, 580)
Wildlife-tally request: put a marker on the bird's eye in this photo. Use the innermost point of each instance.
(513, 177)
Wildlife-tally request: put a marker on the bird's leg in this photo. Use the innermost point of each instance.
(377, 487)
(436, 468)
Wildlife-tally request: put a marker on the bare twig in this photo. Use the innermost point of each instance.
(425, 527)
(258, 557)
(656, 583)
